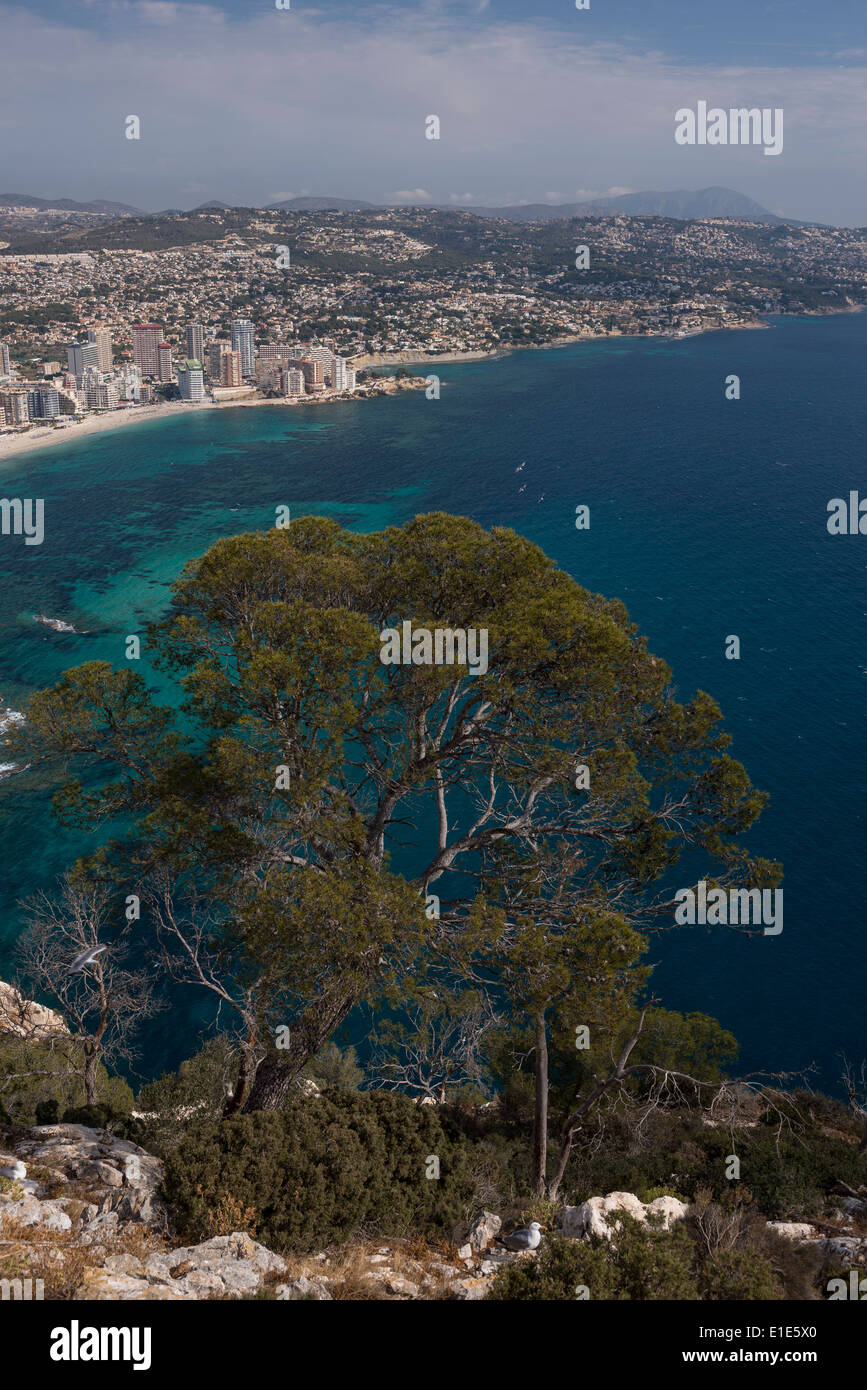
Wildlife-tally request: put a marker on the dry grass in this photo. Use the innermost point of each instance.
(353, 1278)
(59, 1259)
(229, 1215)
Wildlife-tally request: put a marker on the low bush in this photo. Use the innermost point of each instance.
(325, 1169)
(639, 1263)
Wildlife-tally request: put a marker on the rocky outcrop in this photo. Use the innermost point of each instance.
(22, 1018)
(482, 1232)
(97, 1190)
(224, 1266)
(112, 1174)
(599, 1215)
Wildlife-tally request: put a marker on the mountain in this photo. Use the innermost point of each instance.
(705, 202)
(681, 203)
(310, 204)
(27, 200)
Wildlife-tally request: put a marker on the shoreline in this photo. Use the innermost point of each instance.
(43, 437)
(11, 446)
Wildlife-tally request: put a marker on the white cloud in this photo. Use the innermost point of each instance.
(408, 195)
(339, 100)
(583, 195)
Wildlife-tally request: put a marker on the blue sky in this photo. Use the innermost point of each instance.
(538, 101)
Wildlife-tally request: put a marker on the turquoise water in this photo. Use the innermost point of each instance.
(707, 519)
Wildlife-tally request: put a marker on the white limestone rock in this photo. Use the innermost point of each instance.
(599, 1215)
(793, 1230)
(486, 1225)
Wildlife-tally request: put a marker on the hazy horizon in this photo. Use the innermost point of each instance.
(556, 105)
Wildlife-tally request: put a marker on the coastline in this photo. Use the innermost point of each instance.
(44, 437)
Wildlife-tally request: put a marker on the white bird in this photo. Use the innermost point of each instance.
(16, 1171)
(83, 959)
(525, 1238)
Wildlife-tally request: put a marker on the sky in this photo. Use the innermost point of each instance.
(537, 101)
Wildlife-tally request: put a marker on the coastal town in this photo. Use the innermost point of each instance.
(102, 315)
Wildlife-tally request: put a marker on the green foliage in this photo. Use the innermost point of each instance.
(272, 657)
(39, 1080)
(637, 1264)
(196, 1092)
(323, 1169)
(102, 1116)
(692, 1043)
(739, 1275)
(332, 1069)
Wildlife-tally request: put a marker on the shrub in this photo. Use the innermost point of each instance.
(739, 1274)
(324, 1169)
(639, 1263)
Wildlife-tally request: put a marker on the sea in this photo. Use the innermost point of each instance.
(707, 518)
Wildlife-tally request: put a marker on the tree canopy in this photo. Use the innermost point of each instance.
(310, 827)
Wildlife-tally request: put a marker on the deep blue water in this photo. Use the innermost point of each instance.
(707, 518)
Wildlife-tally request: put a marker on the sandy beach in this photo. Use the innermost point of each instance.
(47, 436)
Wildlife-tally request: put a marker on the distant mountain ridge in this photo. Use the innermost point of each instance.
(27, 200)
(313, 204)
(715, 201)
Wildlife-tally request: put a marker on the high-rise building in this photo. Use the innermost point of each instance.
(230, 369)
(323, 355)
(43, 403)
(275, 352)
(342, 375)
(131, 383)
(102, 338)
(244, 343)
(90, 378)
(164, 362)
(2, 418)
(81, 355)
(146, 339)
(15, 405)
(195, 342)
(191, 380)
(314, 373)
(215, 353)
(102, 395)
(5, 364)
(292, 382)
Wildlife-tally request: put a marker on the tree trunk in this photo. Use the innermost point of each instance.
(91, 1063)
(540, 1113)
(246, 1072)
(278, 1070)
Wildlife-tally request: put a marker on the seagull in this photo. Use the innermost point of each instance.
(525, 1238)
(520, 466)
(85, 958)
(16, 1171)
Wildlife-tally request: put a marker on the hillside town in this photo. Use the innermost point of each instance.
(106, 313)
